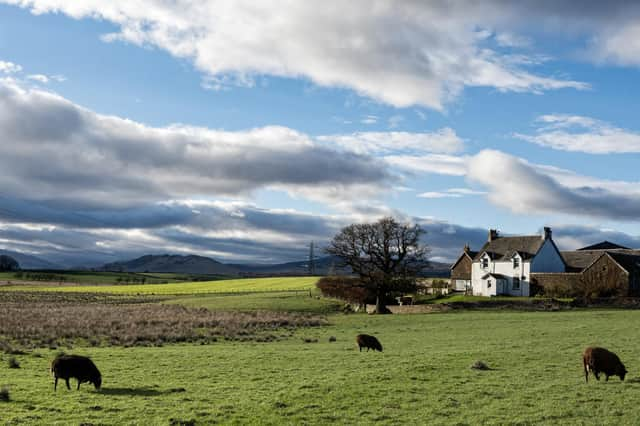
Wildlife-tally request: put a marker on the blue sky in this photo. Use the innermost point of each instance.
(244, 131)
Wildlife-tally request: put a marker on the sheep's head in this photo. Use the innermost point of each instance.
(622, 371)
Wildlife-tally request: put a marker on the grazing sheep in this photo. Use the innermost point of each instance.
(369, 342)
(76, 366)
(600, 360)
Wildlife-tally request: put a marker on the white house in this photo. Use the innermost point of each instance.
(504, 264)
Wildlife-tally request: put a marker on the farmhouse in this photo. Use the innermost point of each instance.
(524, 265)
(504, 264)
(461, 271)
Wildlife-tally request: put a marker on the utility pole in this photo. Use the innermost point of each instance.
(312, 260)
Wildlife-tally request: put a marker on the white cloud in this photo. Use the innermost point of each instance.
(394, 121)
(369, 119)
(41, 78)
(509, 39)
(439, 51)
(525, 188)
(582, 134)
(444, 140)
(431, 163)
(9, 67)
(451, 193)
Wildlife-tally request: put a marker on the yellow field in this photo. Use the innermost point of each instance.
(222, 286)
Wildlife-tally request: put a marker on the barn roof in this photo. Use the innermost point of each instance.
(503, 248)
(577, 260)
(604, 245)
(630, 260)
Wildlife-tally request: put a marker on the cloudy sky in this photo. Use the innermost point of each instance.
(243, 130)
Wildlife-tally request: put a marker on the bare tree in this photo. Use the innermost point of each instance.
(387, 255)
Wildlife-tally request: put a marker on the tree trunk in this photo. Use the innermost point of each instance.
(381, 308)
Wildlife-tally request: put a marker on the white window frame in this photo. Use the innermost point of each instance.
(516, 262)
(488, 283)
(484, 262)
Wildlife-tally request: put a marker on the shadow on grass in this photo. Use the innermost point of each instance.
(139, 391)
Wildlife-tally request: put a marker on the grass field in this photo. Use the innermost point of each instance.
(289, 301)
(244, 285)
(422, 377)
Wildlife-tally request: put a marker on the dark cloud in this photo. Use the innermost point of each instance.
(58, 151)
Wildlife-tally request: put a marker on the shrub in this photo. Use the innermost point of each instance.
(350, 289)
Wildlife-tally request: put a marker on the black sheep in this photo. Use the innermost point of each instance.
(369, 342)
(600, 360)
(76, 366)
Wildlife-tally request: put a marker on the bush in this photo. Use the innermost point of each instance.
(560, 289)
(345, 288)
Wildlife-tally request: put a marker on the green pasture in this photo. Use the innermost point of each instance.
(244, 285)
(422, 377)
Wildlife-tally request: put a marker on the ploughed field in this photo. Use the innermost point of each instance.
(422, 377)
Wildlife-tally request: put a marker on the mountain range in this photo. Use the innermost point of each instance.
(204, 265)
(193, 264)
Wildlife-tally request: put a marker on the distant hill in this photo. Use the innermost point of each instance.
(323, 266)
(30, 262)
(190, 264)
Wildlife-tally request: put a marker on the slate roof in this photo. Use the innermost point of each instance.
(503, 248)
(629, 260)
(577, 260)
(604, 245)
(470, 253)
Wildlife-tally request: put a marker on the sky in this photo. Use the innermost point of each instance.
(243, 130)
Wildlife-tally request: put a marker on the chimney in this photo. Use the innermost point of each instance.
(466, 248)
(493, 234)
(547, 233)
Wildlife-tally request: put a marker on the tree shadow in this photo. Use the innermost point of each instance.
(142, 391)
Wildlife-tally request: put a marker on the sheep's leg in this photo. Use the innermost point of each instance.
(78, 388)
(55, 384)
(606, 378)
(67, 382)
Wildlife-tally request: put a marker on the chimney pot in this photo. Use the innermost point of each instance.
(493, 234)
(547, 233)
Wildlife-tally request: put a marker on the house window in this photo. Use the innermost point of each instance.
(485, 262)
(516, 262)
(488, 283)
(516, 283)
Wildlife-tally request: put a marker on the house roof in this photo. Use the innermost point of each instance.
(604, 245)
(470, 254)
(503, 248)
